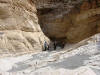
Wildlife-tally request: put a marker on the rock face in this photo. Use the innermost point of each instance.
(71, 20)
(19, 28)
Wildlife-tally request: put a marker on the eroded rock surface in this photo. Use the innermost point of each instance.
(70, 20)
(19, 28)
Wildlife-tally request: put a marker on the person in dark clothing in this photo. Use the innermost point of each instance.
(62, 45)
(55, 45)
(59, 44)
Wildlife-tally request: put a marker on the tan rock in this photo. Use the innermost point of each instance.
(19, 28)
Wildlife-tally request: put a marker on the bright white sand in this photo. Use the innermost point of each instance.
(84, 60)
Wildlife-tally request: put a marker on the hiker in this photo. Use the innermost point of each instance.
(59, 44)
(46, 46)
(55, 45)
(62, 45)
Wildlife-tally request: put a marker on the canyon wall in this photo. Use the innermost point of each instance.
(61, 20)
(19, 28)
(69, 20)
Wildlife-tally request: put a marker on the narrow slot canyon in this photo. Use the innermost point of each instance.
(49, 37)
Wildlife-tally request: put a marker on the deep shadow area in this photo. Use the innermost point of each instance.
(44, 11)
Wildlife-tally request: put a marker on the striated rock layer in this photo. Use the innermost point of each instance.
(19, 28)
